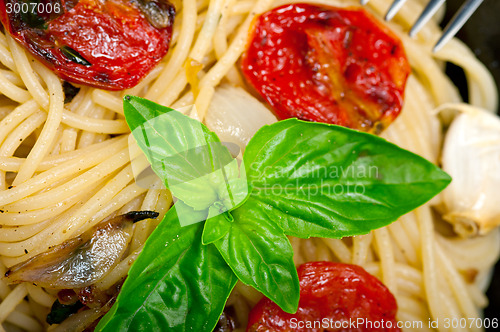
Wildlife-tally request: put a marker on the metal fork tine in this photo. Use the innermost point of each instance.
(426, 15)
(458, 20)
(394, 8)
(463, 14)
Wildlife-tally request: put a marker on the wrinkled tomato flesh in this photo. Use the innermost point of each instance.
(337, 296)
(327, 64)
(109, 44)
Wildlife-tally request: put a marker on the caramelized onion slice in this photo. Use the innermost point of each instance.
(82, 260)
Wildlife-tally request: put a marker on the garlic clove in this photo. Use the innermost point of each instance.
(235, 115)
(471, 155)
(83, 260)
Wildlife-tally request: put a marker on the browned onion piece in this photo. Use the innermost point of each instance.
(82, 260)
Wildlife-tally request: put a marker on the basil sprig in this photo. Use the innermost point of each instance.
(177, 283)
(299, 178)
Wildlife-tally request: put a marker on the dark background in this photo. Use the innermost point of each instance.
(482, 34)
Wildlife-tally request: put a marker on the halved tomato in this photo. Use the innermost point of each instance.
(109, 44)
(326, 64)
(333, 297)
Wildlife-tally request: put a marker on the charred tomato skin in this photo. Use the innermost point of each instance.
(327, 64)
(110, 44)
(333, 291)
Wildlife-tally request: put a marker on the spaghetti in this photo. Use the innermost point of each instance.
(66, 167)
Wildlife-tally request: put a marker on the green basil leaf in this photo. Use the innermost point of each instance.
(176, 283)
(233, 193)
(182, 151)
(187, 216)
(315, 179)
(261, 256)
(217, 225)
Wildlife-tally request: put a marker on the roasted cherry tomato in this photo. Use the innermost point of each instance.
(327, 64)
(109, 44)
(333, 297)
